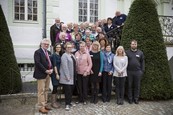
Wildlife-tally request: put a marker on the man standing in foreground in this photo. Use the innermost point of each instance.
(43, 69)
(135, 70)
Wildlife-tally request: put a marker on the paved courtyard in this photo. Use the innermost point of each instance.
(144, 108)
(25, 104)
(15, 107)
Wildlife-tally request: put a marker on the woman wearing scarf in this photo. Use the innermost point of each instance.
(120, 63)
(107, 74)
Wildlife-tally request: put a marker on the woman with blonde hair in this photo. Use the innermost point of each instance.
(96, 70)
(120, 63)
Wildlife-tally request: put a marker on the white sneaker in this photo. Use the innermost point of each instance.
(84, 102)
(67, 107)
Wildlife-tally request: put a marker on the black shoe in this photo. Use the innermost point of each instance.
(130, 101)
(104, 100)
(118, 102)
(107, 100)
(95, 100)
(136, 102)
(121, 102)
(92, 99)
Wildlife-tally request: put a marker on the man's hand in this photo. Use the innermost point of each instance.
(49, 71)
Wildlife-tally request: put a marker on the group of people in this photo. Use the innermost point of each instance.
(84, 62)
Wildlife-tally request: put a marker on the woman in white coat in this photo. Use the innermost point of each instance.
(120, 63)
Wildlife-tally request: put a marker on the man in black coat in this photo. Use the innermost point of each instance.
(42, 72)
(54, 29)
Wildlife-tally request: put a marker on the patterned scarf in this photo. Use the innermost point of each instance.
(108, 55)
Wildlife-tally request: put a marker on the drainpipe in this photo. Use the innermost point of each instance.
(44, 19)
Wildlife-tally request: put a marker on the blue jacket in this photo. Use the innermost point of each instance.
(108, 62)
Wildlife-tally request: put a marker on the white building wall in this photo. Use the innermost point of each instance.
(168, 8)
(67, 11)
(52, 8)
(110, 7)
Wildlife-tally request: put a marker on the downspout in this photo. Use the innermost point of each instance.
(44, 19)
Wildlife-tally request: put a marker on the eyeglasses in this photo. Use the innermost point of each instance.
(46, 44)
(58, 47)
(69, 47)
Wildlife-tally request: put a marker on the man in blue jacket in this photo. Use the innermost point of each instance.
(119, 19)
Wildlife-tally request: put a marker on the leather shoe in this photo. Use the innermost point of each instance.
(48, 108)
(136, 102)
(130, 101)
(43, 110)
(118, 102)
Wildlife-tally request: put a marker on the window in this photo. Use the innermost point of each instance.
(88, 10)
(25, 10)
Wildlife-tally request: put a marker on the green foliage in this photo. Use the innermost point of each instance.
(10, 78)
(143, 25)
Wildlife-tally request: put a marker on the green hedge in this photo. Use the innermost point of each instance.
(10, 78)
(143, 25)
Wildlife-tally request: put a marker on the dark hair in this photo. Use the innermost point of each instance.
(106, 41)
(54, 48)
(78, 34)
(109, 18)
(108, 45)
(133, 40)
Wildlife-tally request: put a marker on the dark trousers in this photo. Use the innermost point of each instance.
(107, 86)
(120, 86)
(68, 90)
(55, 89)
(134, 82)
(82, 83)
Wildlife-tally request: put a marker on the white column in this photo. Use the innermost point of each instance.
(167, 7)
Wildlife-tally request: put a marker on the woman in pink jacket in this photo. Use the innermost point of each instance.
(84, 65)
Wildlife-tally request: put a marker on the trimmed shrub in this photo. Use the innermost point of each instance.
(10, 78)
(143, 25)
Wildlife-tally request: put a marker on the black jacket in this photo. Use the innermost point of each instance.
(41, 64)
(53, 32)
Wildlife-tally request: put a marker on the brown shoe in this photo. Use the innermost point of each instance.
(48, 107)
(55, 105)
(43, 110)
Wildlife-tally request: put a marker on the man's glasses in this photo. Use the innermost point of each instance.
(45, 44)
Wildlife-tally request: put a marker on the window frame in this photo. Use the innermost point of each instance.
(26, 20)
(96, 11)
